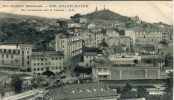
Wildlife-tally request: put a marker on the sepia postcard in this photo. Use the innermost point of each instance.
(86, 50)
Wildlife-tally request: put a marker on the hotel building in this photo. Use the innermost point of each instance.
(15, 57)
(44, 61)
(70, 46)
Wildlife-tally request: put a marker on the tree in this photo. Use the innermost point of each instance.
(164, 42)
(142, 92)
(127, 88)
(127, 92)
(129, 95)
(169, 60)
(169, 86)
(16, 83)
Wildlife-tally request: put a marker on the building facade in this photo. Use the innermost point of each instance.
(89, 58)
(15, 57)
(125, 40)
(147, 37)
(47, 61)
(125, 57)
(113, 69)
(70, 46)
(126, 72)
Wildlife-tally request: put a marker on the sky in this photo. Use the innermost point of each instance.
(149, 11)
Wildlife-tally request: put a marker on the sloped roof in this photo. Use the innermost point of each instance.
(90, 54)
(81, 91)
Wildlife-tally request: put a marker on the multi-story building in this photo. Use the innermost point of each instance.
(88, 58)
(147, 37)
(112, 41)
(47, 61)
(83, 20)
(90, 26)
(94, 39)
(77, 25)
(98, 38)
(106, 70)
(130, 33)
(15, 57)
(112, 33)
(166, 36)
(70, 46)
(125, 57)
(125, 40)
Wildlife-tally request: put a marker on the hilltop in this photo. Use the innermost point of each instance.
(105, 15)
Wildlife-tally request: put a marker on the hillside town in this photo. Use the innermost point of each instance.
(98, 56)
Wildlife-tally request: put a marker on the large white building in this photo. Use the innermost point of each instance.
(44, 61)
(144, 37)
(70, 46)
(125, 57)
(131, 34)
(15, 57)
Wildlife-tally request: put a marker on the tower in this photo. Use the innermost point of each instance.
(96, 8)
(104, 7)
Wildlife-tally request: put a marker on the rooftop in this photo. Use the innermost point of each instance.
(48, 53)
(81, 91)
(90, 54)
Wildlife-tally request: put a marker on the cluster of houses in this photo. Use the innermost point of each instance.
(142, 54)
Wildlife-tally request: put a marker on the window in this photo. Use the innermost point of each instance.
(14, 51)
(5, 50)
(18, 51)
(2, 61)
(2, 55)
(34, 64)
(41, 63)
(11, 56)
(28, 52)
(9, 51)
(37, 63)
(42, 69)
(52, 58)
(56, 58)
(53, 68)
(28, 57)
(38, 69)
(34, 69)
(28, 62)
(7, 56)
